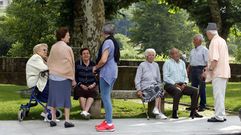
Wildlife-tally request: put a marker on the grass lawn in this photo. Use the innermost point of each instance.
(10, 101)
(232, 100)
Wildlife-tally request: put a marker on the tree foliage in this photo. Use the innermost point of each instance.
(225, 13)
(157, 28)
(29, 22)
(128, 49)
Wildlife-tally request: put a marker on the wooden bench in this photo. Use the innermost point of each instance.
(124, 94)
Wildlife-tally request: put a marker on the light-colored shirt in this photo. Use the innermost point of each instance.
(218, 50)
(174, 72)
(34, 66)
(109, 71)
(56, 77)
(199, 56)
(147, 74)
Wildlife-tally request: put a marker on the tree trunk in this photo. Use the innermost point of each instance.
(88, 21)
(215, 13)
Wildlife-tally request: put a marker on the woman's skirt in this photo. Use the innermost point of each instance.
(59, 93)
(151, 93)
(90, 93)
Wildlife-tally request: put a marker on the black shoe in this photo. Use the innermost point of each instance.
(201, 109)
(68, 125)
(174, 114)
(188, 109)
(213, 119)
(194, 114)
(52, 124)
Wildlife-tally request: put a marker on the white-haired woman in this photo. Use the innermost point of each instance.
(35, 65)
(148, 78)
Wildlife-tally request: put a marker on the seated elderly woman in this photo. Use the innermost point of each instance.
(87, 88)
(34, 67)
(148, 77)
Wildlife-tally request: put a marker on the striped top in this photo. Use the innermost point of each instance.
(84, 74)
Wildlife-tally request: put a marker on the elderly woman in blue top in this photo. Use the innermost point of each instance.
(87, 88)
(147, 76)
(175, 78)
(108, 57)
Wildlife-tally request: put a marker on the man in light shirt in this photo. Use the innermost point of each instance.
(218, 71)
(175, 79)
(198, 61)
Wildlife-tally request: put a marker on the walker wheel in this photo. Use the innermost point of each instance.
(59, 113)
(21, 114)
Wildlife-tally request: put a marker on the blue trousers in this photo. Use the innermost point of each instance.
(105, 92)
(197, 82)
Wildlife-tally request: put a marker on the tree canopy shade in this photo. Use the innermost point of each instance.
(156, 28)
(225, 13)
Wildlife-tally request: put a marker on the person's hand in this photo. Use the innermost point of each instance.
(203, 76)
(73, 83)
(92, 86)
(183, 86)
(139, 93)
(178, 87)
(94, 69)
(84, 87)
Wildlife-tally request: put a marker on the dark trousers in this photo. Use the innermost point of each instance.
(177, 94)
(197, 82)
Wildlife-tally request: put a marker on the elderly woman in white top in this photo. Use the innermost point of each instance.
(35, 74)
(148, 76)
(35, 65)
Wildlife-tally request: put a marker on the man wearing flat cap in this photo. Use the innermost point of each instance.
(217, 71)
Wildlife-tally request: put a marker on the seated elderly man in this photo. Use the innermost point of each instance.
(148, 79)
(175, 79)
(34, 68)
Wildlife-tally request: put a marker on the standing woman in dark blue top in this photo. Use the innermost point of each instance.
(86, 81)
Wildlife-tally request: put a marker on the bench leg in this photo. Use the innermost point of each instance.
(95, 109)
(162, 105)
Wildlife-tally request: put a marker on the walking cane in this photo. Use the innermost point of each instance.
(147, 116)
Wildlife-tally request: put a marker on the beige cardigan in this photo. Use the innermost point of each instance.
(33, 68)
(61, 60)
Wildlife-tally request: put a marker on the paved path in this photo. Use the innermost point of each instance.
(183, 126)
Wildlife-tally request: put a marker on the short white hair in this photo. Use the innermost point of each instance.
(38, 46)
(213, 32)
(149, 50)
(109, 28)
(199, 36)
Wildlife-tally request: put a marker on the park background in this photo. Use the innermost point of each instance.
(140, 24)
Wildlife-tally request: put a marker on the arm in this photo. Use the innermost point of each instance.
(138, 78)
(77, 74)
(185, 73)
(103, 59)
(138, 81)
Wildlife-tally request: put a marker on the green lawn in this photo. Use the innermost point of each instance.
(232, 100)
(10, 101)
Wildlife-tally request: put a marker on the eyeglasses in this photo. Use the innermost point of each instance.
(45, 50)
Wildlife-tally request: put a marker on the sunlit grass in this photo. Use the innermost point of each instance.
(10, 101)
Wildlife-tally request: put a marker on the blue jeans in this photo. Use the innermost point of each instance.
(105, 92)
(197, 82)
